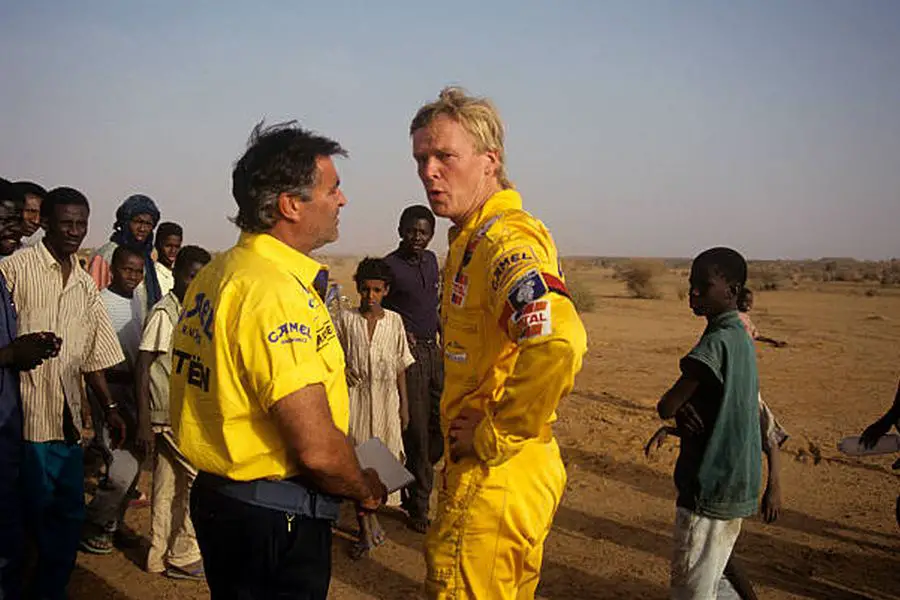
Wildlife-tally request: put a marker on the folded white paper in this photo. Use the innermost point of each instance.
(373, 454)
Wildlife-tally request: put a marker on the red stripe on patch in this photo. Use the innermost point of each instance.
(555, 284)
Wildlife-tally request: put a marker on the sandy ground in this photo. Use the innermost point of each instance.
(836, 538)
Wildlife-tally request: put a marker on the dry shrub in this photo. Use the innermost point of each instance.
(890, 272)
(640, 278)
(766, 277)
(871, 293)
(582, 296)
(683, 292)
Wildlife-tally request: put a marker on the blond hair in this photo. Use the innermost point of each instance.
(478, 116)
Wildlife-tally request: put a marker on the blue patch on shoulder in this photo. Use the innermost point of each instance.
(526, 290)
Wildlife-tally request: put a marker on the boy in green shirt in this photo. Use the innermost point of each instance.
(715, 404)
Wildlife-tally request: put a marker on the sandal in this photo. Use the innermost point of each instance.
(99, 543)
(191, 572)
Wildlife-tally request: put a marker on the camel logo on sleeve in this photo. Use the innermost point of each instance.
(511, 263)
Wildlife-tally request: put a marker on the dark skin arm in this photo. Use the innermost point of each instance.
(144, 438)
(96, 380)
(771, 341)
(771, 500)
(677, 396)
(324, 453)
(404, 400)
(656, 441)
(880, 427)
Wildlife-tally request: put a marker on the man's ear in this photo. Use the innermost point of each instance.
(289, 206)
(492, 164)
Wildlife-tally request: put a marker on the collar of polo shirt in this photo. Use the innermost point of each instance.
(301, 266)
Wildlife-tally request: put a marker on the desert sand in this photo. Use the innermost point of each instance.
(836, 538)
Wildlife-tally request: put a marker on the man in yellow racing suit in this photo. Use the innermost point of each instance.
(513, 344)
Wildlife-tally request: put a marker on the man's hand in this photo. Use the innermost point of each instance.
(404, 418)
(117, 428)
(689, 419)
(656, 442)
(875, 431)
(378, 493)
(144, 439)
(771, 503)
(30, 350)
(462, 433)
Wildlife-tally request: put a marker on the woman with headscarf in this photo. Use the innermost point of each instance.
(136, 219)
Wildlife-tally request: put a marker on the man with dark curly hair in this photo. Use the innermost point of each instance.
(258, 397)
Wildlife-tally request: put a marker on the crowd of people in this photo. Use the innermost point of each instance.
(248, 389)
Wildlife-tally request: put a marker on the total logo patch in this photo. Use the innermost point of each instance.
(534, 320)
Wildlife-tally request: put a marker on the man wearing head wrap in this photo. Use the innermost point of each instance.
(136, 219)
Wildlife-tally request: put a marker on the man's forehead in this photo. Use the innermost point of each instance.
(71, 210)
(441, 131)
(420, 223)
(326, 168)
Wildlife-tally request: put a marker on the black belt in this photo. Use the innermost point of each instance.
(285, 496)
(425, 341)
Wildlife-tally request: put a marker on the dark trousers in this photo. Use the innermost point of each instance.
(53, 486)
(12, 538)
(423, 441)
(254, 553)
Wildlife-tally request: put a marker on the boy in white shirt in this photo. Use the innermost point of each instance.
(107, 508)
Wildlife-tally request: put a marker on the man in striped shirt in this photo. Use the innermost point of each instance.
(51, 293)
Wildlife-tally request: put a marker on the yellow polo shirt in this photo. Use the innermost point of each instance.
(253, 331)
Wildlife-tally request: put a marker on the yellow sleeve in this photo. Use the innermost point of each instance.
(533, 310)
(277, 342)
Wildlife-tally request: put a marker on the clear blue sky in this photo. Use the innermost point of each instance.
(634, 128)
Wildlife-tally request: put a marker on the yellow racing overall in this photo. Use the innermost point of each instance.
(513, 344)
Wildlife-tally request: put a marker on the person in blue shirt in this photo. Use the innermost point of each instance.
(16, 354)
